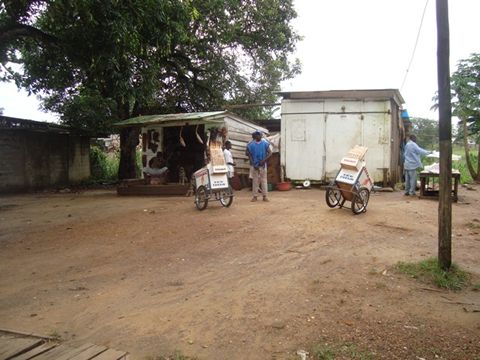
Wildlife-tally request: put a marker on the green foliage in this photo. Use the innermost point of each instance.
(346, 350)
(138, 163)
(465, 85)
(323, 352)
(461, 166)
(101, 61)
(177, 355)
(103, 166)
(353, 352)
(55, 335)
(429, 271)
(426, 131)
(465, 95)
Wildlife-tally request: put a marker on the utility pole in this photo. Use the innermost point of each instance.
(445, 137)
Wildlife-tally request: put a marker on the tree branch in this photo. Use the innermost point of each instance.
(16, 30)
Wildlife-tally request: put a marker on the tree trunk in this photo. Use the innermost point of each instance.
(472, 171)
(477, 178)
(128, 143)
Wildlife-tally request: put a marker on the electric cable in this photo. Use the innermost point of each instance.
(415, 46)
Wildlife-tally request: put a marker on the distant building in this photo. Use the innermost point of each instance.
(36, 155)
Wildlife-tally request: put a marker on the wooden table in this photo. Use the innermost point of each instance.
(427, 182)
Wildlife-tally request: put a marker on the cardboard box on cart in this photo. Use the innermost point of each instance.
(354, 159)
(214, 175)
(351, 166)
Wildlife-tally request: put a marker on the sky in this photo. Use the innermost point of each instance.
(368, 44)
(353, 44)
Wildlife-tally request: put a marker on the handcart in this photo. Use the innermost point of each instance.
(211, 182)
(352, 183)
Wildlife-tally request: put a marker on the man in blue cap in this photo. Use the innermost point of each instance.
(258, 152)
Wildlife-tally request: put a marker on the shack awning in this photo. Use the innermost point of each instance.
(182, 119)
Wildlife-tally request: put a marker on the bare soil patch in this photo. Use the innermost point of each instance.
(254, 281)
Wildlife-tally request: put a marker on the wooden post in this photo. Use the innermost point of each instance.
(445, 135)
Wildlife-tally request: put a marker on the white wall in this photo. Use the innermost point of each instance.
(317, 134)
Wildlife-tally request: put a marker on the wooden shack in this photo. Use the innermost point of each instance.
(179, 141)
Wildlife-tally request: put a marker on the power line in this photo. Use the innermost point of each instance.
(415, 47)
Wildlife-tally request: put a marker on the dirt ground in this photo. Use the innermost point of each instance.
(255, 281)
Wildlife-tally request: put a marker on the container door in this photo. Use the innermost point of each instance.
(343, 132)
(303, 146)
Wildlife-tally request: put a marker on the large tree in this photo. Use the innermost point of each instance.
(96, 62)
(426, 131)
(465, 85)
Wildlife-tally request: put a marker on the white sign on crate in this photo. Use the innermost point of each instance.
(347, 176)
(218, 181)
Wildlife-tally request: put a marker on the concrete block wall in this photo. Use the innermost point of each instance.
(32, 160)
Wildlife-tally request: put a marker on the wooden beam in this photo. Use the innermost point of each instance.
(11, 346)
(445, 136)
(36, 351)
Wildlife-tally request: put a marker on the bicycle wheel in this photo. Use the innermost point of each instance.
(226, 197)
(360, 201)
(201, 198)
(333, 196)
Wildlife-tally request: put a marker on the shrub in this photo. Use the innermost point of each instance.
(103, 166)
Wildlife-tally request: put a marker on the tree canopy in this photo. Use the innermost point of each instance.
(96, 62)
(465, 85)
(426, 131)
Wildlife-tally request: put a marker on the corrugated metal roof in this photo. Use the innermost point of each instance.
(363, 94)
(171, 118)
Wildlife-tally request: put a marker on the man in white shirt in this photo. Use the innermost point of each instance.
(229, 159)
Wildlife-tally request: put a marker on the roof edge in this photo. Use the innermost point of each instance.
(353, 94)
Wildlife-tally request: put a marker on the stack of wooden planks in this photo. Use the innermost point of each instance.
(18, 346)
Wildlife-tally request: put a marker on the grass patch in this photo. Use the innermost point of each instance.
(323, 352)
(475, 224)
(331, 352)
(476, 287)
(429, 271)
(353, 352)
(54, 335)
(176, 356)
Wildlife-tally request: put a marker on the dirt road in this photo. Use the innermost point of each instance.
(255, 281)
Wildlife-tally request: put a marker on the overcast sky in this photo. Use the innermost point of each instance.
(354, 44)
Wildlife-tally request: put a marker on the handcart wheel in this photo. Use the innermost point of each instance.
(360, 201)
(226, 197)
(201, 198)
(333, 197)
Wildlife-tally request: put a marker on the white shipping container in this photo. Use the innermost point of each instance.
(318, 129)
